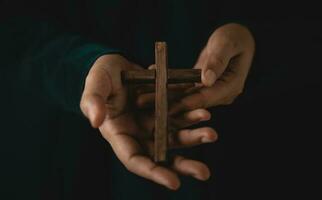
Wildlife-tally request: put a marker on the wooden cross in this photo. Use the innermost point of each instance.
(161, 76)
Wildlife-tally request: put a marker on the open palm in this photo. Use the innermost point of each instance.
(129, 129)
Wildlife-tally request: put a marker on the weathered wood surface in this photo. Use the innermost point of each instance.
(174, 76)
(161, 103)
(161, 77)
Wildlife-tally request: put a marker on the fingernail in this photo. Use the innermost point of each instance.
(205, 117)
(210, 77)
(206, 140)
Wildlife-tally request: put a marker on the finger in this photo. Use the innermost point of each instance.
(215, 58)
(174, 93)
(207, 78)
(192, 168)
(223, 92)
(191, 102)
(197, 115)
(185, 120)
(204, 98)
(190, 118)
(128, 151)
(192, 137)
(98, 86)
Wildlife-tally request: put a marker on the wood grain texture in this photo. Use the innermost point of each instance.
(174, 76)
(161, 103)
(161, 77)
(184, 76)
(138, 76)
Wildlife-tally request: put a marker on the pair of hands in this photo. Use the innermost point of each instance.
(225, 62)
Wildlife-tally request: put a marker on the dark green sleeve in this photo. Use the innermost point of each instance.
(38, 59)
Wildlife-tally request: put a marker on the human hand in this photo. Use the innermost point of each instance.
(129, 130)
(225, 62)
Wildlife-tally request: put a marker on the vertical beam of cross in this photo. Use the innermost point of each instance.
(161, 102)
(161, 76)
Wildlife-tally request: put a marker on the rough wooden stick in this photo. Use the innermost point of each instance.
(161, 103)
(184, 76)
(161, 77)
(174, 76)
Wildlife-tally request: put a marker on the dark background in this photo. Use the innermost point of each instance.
(269, 146)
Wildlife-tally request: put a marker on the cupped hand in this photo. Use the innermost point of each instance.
(129, 130)
(225, 62)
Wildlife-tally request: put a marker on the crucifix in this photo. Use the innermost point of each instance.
(161, 77)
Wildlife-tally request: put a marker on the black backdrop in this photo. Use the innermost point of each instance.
(269, 145)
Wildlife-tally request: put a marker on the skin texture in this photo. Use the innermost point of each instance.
(225, 62)
(129, 130)
(128, 126)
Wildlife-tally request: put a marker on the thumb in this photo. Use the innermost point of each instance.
(212, 65)
(98, 87)
(214, 59)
